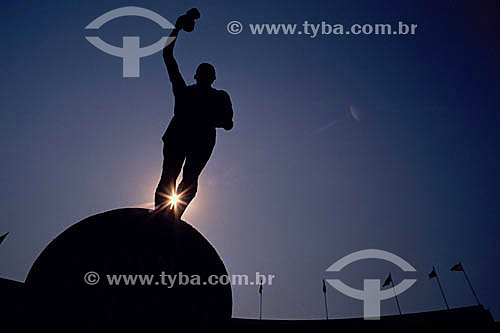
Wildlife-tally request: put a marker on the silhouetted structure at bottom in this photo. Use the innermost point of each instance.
(460, 318)
(132, 242)
(127, 242)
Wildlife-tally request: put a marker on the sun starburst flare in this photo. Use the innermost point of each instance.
(173, 201)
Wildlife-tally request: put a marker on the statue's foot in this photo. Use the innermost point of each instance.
(166, 213)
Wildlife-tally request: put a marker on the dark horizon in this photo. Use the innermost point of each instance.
(298, 183)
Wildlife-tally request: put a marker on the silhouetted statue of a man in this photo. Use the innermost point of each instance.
(190, 136)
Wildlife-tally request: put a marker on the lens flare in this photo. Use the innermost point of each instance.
(173, 200)
(355, 112)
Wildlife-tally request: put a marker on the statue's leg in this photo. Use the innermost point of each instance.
(196, 159)
(173, 157)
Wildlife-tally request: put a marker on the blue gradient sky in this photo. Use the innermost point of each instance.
(418, 176)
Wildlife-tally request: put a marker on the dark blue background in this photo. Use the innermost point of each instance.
(282, 194)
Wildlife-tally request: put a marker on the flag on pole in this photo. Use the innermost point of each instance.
(324, 295)
(387, 281)
(260, 302)
(457, 268)
(3, 237)
(433, 274)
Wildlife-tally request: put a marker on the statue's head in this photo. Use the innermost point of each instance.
(205, 74)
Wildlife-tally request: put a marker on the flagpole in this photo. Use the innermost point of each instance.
(326, 308)
(260, 314)
(326, 303)
(260, 306)
(470, 285)
(396, 296)
(442, 292)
